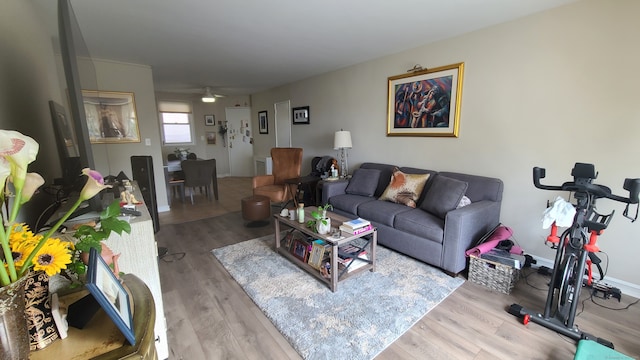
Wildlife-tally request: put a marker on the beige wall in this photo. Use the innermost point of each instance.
(113, 158)
(548, 90)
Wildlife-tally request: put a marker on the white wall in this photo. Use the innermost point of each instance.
(547, 90)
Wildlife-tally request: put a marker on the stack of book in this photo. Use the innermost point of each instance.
(356, 226)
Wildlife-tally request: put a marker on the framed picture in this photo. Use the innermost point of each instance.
(110, 294)
(211, 137)
(111, 117)
(300, 115)
(210, 120)
(425, 102)
(263, 122)
(299, 249)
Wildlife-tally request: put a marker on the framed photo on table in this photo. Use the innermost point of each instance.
(110, 294)
(111, 117)
(300, 115)
(425, 102)
(299, 250)
(263, 122)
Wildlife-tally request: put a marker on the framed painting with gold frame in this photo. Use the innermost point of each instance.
(425, 102)
(111, 117)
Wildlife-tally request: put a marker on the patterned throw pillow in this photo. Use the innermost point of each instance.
(404, 188)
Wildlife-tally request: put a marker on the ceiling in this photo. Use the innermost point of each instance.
(240, 47)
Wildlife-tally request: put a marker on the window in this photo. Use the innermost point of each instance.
(176, 122)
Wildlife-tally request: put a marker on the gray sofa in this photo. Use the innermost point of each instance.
(434, 232)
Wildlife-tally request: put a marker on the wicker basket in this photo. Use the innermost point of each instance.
(495, 276)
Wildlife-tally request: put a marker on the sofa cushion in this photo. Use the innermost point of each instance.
(385, 175)
(348, 202)
(381, 212)
(444, 195)
(420, 223)
(363, 182)
(404, 188)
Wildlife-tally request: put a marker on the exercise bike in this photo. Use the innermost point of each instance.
(573, 248)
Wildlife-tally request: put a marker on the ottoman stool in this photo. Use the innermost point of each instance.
(256, 209)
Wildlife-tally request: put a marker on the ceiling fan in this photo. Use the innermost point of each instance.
(208, 96)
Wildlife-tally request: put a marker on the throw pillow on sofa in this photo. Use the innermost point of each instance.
(404, 188)
(363, 182)
(443, 196)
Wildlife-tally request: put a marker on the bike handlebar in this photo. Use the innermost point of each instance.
(583, 184)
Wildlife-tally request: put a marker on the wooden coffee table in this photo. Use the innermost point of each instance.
(369, 238)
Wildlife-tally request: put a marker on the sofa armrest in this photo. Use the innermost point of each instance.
(333, 188)
(262, 180)
(462, 227)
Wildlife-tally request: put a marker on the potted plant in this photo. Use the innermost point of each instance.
(320, 222)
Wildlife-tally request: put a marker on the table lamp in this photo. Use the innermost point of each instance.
(342, 142)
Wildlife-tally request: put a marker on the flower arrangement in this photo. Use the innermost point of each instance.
(22, 249)
(182, 153)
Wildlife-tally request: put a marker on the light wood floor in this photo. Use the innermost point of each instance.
(210, 317)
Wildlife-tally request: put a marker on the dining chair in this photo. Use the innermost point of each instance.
(192, 156)
(199, 174)
(172, 157)
(173, 184)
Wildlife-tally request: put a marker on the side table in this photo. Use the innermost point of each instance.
(101, 339)
(306, 183)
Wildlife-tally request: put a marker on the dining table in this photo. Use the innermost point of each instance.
(176, 166)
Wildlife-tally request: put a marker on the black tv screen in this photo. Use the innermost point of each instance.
(72, 47)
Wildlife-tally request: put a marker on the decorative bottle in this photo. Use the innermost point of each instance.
(301, 213)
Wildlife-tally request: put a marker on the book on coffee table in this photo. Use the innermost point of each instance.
(356, 223)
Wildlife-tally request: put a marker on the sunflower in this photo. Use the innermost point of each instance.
(52, 257)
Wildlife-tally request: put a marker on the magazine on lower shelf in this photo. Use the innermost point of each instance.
(354, 263)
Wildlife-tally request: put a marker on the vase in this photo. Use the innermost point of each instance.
(322, 227)
(14, 336)
(40, 323)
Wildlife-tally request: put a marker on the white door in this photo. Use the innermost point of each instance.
(239, 139)
(283, 123)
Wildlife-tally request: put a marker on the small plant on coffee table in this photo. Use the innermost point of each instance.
(320, 219)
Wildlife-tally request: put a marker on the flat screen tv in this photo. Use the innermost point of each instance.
(73, 140)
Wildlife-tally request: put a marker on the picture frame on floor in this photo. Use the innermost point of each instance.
(425, 102)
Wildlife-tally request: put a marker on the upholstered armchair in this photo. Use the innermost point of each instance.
(286, 165)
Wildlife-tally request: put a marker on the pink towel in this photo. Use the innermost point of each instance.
(501, 233)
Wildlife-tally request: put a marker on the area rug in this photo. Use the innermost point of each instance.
(367, 313)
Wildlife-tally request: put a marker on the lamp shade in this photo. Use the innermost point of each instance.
(342, 140)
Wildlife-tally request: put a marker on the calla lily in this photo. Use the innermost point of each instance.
(5, 171)
(94, 184)
(31, 184)
(19, 150)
